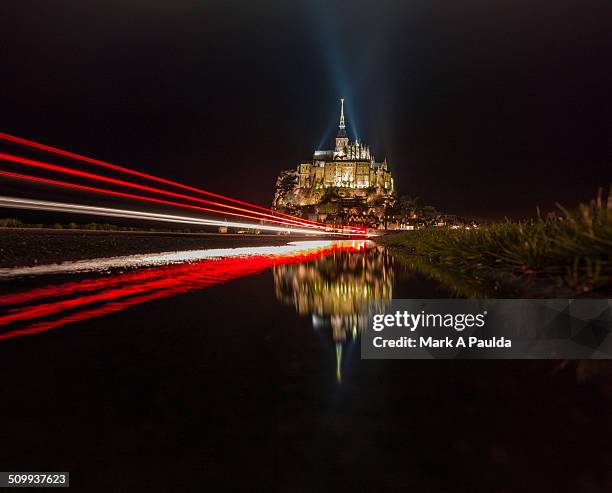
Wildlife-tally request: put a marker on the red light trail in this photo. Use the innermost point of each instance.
(48, 181)
(84, 174)
(75, 186)
(54, 150)
(19, 203)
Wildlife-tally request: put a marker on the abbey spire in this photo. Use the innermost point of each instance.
(341, 138)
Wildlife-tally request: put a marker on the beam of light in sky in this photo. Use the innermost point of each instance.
(54, 150)
(18, 203)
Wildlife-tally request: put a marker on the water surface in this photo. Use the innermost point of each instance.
(241, 371)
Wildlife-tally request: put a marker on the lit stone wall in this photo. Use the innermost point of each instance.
(350, 168)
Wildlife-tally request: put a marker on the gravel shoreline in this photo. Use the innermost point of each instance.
(28, 247)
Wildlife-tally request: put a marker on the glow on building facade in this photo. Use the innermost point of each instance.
(348, 165)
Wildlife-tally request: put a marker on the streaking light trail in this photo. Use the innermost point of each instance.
(63, 169)
(54, 150)
(150, 199)
(18, 203)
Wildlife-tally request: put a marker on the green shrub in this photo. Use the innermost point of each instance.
(11, 223)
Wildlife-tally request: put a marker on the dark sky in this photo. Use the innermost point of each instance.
(483, 108)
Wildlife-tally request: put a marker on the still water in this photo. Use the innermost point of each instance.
(240, 369)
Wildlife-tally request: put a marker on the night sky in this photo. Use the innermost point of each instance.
(482, 108)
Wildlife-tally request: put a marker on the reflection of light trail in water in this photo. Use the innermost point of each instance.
(149, 260)
(112, 294)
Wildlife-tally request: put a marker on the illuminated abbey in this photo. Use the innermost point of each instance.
(349, 169)
(349, 165)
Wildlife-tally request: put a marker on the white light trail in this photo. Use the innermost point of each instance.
(19, 203)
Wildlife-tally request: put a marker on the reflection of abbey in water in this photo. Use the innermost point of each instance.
(339, 290)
